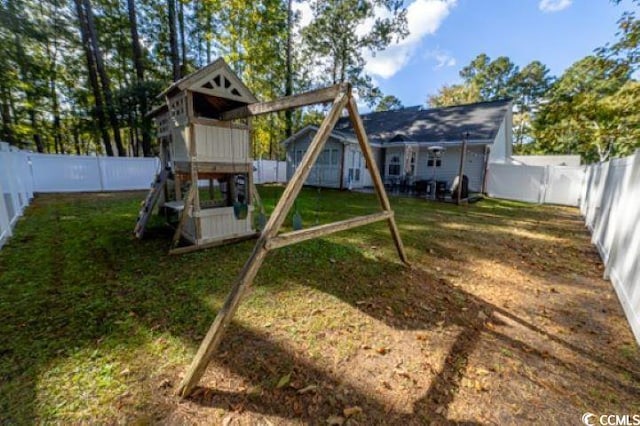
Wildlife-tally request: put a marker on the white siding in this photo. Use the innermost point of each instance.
(499, 147)
(326, 174)
(473, 167)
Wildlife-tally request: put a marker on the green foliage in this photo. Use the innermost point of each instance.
(336, 44)
(389, 103)
(592, 110)
(488, 80)
(455, 94)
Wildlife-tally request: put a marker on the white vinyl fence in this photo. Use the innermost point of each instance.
(269, 171)
(16, 188)
(536, 184)
(610, 204)
(73, 173)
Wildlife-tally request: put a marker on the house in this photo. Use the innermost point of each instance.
(413, 144)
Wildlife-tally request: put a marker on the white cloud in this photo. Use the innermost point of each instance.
(424, 17)
(442, 58)
(550, 6)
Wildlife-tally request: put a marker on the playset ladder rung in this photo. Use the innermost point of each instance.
(150, 202)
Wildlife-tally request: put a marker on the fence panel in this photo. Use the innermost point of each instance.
(513, 182)
(612, 212)
(564, 185)
(120, 174)
(65, 173)
(73, 173)
(269, 171)
(15, 188)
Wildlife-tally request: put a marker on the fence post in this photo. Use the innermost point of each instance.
(5, 220)
(100, 169)
(543, 185)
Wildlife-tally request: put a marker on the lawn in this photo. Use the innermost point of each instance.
(502, 318)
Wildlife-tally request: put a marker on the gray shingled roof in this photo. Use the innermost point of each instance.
(482, 120)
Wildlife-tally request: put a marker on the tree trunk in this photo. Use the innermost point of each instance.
(93, 79)
(139, 67)
(173, 40)
(104, 78)
(288, 91)
(37, 139)
(7, 121)
(76, 140)
(183, 40)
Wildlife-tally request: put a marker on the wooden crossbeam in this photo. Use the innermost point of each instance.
(313, 97)
(294, 237)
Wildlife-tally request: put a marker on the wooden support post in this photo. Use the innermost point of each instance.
(194, 181)
(177, 182)
(463, 155)
(211, 190)
(187, 211)
(361, 135)
(251, 267)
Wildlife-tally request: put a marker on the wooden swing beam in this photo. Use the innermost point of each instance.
(269, 238)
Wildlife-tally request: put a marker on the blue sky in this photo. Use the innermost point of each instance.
(448, 34)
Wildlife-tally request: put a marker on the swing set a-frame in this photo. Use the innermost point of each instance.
(341, 97)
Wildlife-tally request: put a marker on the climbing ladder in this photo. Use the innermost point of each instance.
(150, 202)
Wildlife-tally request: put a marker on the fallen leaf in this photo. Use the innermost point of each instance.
(307, 389)
(284, 381)
(351, 411)
(335, 420)
(481, 371)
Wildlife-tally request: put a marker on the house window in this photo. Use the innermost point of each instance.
(334, 157)
(298, 157)
(431, 158)
(394, 166)
(323, 158)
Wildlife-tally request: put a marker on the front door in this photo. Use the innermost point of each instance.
(354, 165)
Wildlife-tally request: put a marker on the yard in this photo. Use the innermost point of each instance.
(502, 318)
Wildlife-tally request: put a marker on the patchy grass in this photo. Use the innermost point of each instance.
(502, 318)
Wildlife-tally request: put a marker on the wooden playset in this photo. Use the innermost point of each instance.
(200, 138)
(196, 146)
